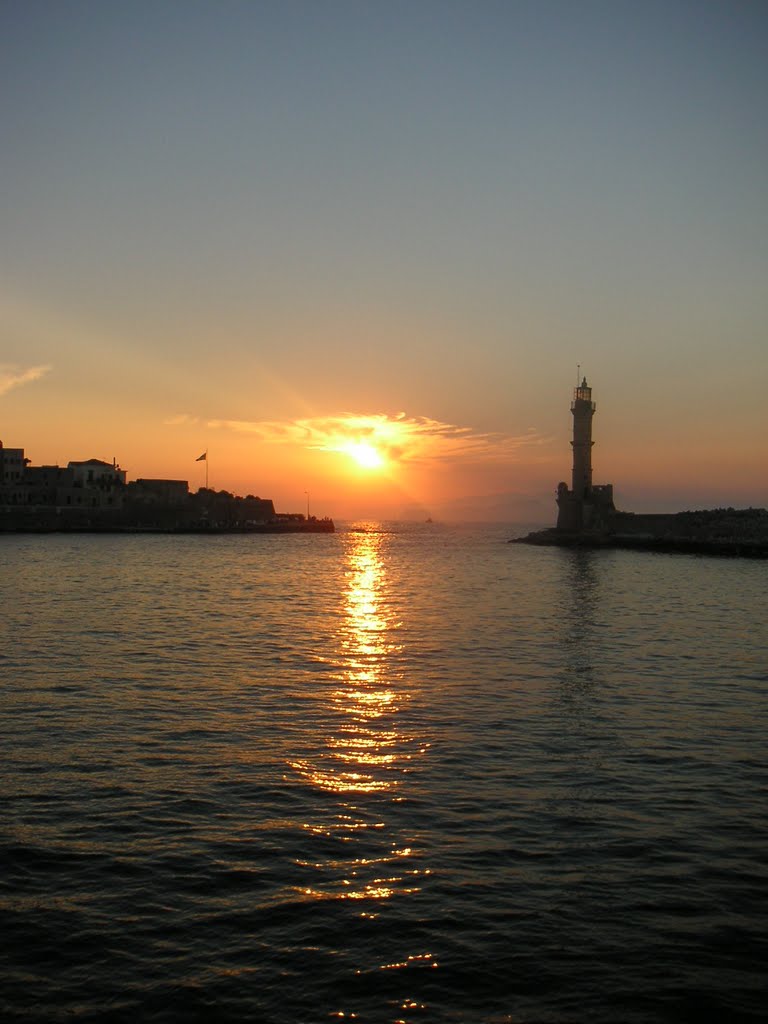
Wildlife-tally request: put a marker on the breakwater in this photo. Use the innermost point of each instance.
(735, 533)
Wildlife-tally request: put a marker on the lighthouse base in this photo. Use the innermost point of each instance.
(590, 512)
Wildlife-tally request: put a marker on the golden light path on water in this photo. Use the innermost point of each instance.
(367, 752)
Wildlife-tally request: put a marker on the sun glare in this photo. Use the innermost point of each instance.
(372, 443)
(365, 454)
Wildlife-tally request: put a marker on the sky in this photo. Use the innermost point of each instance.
(357, 251)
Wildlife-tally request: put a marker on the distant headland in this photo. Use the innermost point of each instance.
(588, 518)
(94, 497)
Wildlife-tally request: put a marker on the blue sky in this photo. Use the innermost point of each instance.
(230, 212)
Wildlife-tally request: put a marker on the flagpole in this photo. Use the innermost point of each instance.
(204, 458)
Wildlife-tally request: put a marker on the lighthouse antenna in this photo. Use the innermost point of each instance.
(578, 374)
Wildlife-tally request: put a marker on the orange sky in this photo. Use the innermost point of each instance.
(272, 235)
(420, 466)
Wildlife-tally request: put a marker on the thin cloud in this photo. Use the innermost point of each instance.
(181, 420)
(400, 438)
(14, 376)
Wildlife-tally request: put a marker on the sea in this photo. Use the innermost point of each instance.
(407, 772)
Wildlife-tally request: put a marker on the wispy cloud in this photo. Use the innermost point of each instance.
(182, 419)
(399, 438)
(12, 376)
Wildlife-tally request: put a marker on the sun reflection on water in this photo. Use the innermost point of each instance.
(370, 745)
(361, 854)
(367, 752)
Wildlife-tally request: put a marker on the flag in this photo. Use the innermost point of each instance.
(202, 458)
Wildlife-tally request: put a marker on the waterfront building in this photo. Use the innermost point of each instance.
(92, 484)
(171, 492)
(45, 485)
(12, 463)
(96, 472)
(93, 495)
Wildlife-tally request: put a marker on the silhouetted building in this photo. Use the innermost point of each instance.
(586, 506)
(172, 492)
(94, 496)
(92, 484)
(48, 485)
(96, 472)
(95, 484)
(12, 463)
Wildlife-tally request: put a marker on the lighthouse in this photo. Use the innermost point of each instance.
(583, 507)
(583, 409)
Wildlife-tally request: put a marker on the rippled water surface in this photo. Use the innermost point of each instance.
(400, 773)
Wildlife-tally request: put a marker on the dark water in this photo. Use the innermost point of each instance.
(408, 773)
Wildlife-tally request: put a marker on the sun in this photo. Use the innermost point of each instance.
(364, 454)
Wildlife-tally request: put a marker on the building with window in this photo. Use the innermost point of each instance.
(12, 463)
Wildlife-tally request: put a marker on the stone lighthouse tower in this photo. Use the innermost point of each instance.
(583, 409)
(585, 507)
